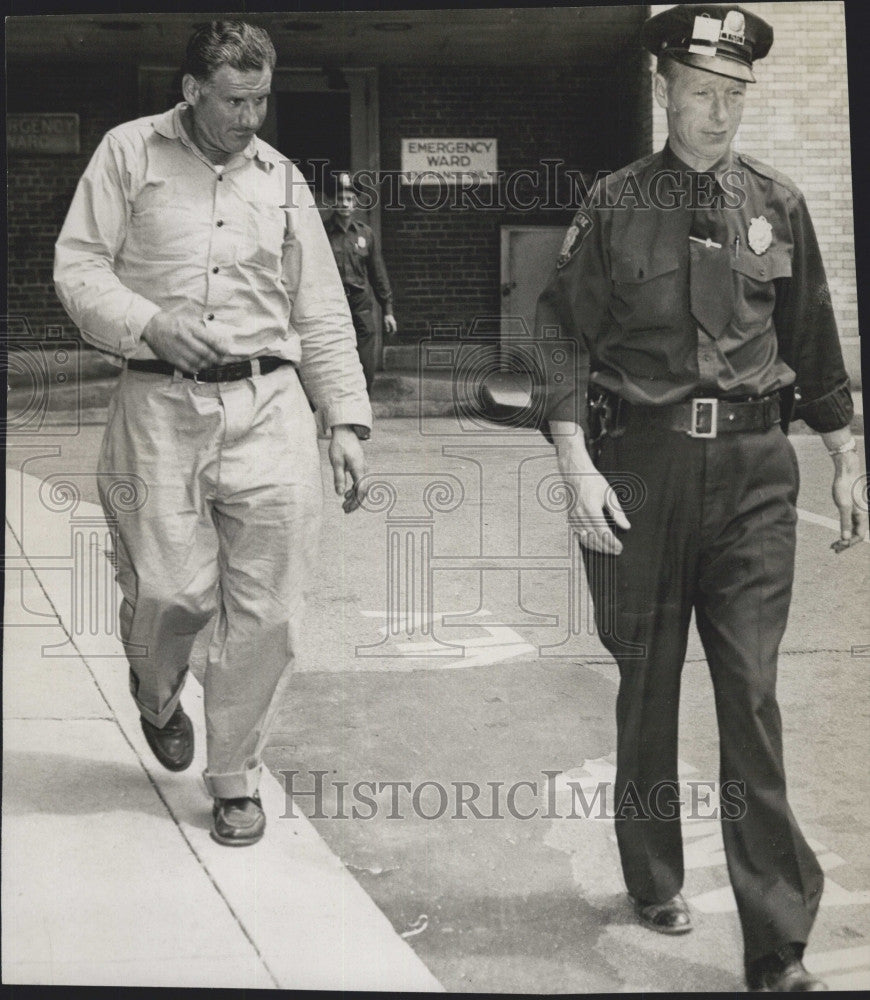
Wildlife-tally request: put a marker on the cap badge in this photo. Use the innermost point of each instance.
(705, 35)
(760, 234)
(734, 27)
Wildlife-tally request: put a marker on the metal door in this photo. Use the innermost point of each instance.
(528, 258)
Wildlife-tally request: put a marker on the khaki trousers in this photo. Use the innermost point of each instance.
(229, 525)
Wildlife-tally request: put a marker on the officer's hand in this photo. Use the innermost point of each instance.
(847, 495)
(348, 461)
(390, 324)
(594, 497)
(183, 342)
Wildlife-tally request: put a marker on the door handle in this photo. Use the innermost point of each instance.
(507, 288)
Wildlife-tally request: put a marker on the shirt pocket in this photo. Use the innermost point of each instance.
(649, 289)
(754, 288)
(264, 235)
(163, 227)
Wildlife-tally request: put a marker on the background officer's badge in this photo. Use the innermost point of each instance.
(361, 242)
(580, 227)
(760, 234)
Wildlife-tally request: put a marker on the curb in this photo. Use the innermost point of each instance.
(79, 898)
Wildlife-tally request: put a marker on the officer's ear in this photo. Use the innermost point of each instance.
(660, 89)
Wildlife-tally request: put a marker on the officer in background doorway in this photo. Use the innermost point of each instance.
(361, 266)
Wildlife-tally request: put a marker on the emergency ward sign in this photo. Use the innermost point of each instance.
(449, 161)
(42, 133)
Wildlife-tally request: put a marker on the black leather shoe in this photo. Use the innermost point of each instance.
(238, 822)
(173, 744)
(783, 972)
(672, 917)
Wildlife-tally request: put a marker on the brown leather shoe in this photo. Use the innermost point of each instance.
(783, 972)
(672, 917)
(173, 744)
(238, 822)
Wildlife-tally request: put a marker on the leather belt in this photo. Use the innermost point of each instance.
(222, 373)
(709, 417)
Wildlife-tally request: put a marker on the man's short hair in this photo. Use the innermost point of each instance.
(668, 67)
(228, 43)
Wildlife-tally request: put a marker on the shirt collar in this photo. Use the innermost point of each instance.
(169, 125)
(672, 162)
(336, 225)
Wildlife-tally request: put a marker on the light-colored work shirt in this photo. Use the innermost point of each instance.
(154, 225)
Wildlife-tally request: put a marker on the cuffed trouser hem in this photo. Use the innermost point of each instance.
(761, 952)
(158, 719)
(240, 785)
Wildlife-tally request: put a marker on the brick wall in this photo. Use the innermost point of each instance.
(797, 120)
(40, 188)
(445, 263)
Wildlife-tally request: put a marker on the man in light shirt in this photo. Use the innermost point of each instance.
(194, 254)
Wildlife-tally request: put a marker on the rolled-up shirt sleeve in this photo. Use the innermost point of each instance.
(109, 315)
(330, 365)
(807, 331)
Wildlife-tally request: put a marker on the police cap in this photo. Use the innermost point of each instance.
(719, 38)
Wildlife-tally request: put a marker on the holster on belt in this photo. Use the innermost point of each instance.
(786, 407)
(605, 411)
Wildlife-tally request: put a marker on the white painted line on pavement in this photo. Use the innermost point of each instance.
(500, 643)
(824, 522)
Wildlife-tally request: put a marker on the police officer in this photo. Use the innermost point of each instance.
(362, 270)
(693, 286)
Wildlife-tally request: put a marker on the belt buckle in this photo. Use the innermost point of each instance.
(219, 373)
(705, 415)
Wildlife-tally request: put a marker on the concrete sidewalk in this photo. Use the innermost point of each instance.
(109, 875)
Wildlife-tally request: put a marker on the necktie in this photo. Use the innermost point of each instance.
(710, 284)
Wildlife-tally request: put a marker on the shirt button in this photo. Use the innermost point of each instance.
(210, 316)
(215, 270)
(219, 223)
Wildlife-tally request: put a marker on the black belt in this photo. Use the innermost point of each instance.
(222, 373)
(707, 418)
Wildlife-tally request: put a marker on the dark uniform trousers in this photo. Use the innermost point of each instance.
(714, 532)
(361, 308)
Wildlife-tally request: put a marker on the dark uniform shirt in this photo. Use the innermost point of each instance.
(359, 259)
(623, 293)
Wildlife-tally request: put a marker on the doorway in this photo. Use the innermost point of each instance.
(313, 129)
(323, 119)
(528, 258)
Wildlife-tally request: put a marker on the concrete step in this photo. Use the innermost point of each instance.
(401, 358)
